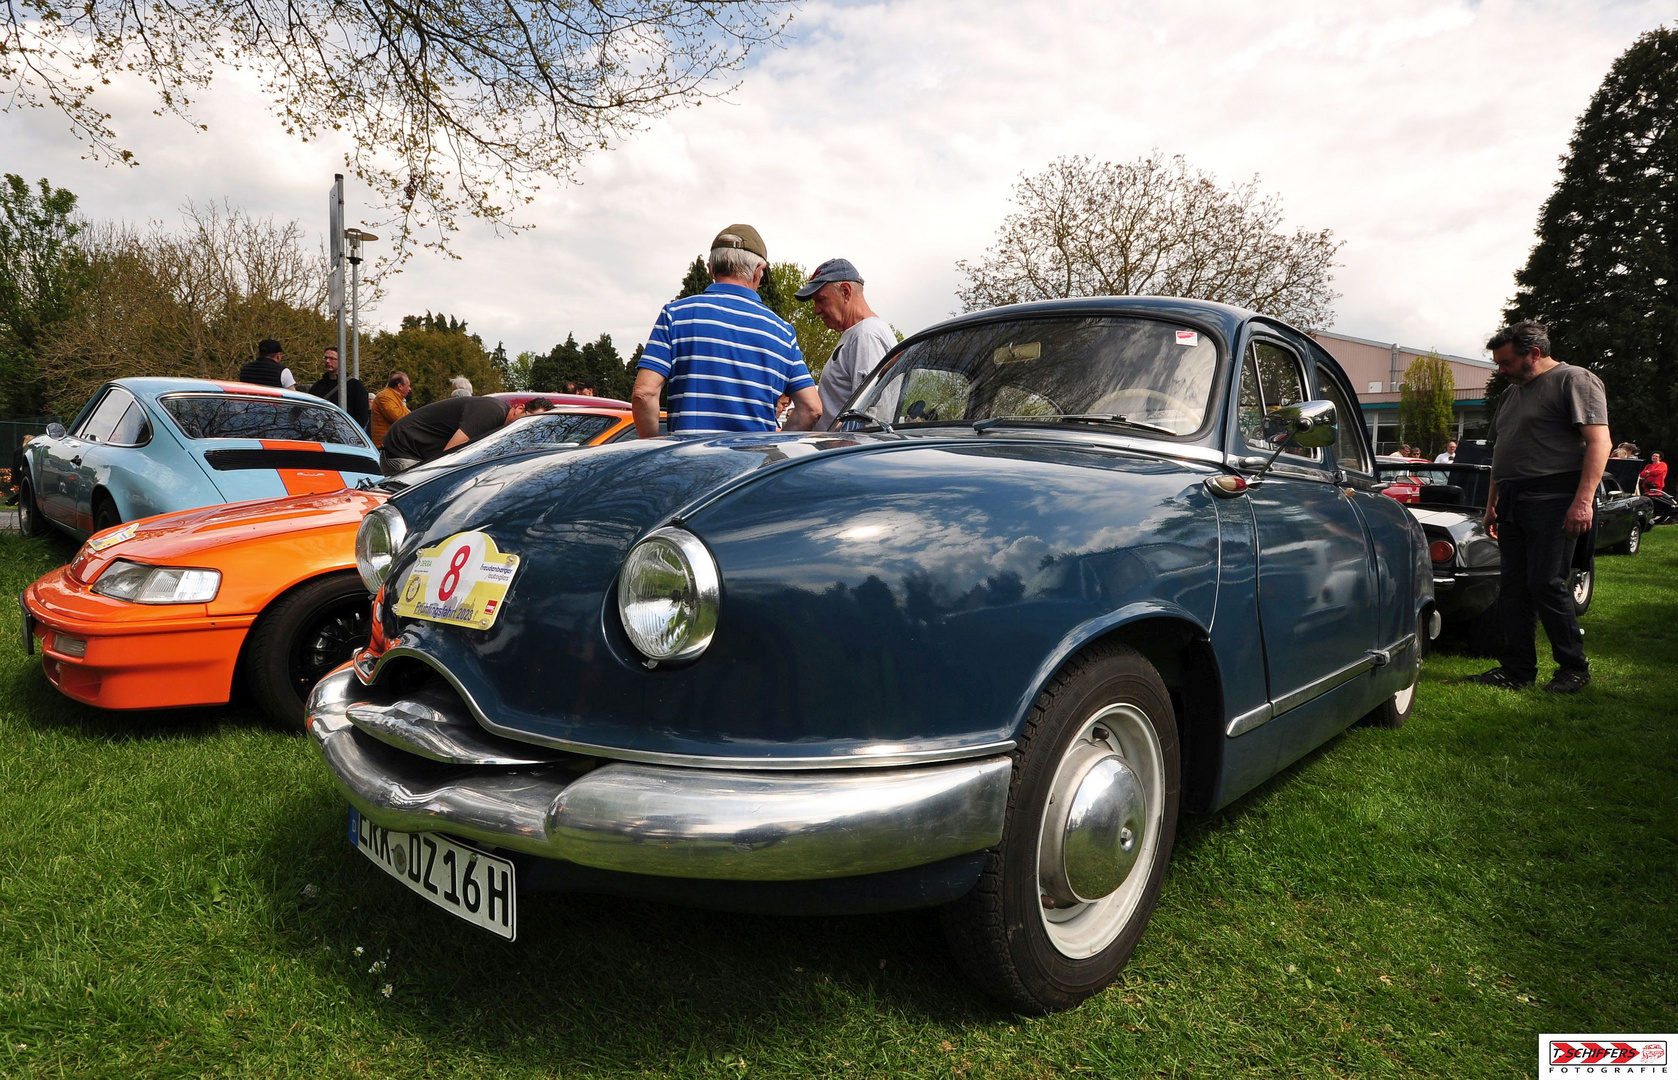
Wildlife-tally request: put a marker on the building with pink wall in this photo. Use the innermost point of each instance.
(1376, 369)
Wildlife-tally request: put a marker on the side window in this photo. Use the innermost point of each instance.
(1276, 376)
(1348, 424)
(133, 429)
(100, 423)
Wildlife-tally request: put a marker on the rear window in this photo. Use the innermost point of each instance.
(229, 416)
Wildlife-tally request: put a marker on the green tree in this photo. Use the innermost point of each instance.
(1603, 275)
(605, 369)
(432, 350)
(42, 271)
(563, 364)
(698, 279)
(1427, 404)
(516, 374)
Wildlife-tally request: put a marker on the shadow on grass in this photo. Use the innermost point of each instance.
(592, 978)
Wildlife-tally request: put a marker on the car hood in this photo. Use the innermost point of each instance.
(190, 534)
(894, 547)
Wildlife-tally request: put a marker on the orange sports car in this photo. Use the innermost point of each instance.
(170, 610)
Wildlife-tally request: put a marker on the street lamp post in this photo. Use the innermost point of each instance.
(356, 237)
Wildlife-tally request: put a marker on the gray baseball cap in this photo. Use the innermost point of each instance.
(831, 270)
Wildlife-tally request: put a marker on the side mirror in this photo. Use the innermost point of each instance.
(55, 431)
(1309, 424)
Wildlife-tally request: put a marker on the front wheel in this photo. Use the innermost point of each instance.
(1634, 539)
(1583, 587)
(302, 636)
(1092, 815)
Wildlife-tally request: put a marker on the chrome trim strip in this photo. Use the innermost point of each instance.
(883, 757)
(1250, 719)
(673, 822)
(1262, 715)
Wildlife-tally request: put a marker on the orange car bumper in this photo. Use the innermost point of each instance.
(132, 656)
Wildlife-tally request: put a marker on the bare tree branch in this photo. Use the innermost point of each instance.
(1157, 227)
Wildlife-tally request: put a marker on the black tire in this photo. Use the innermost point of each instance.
(1583, 584)
(29, 520)
(1107, 702)
(1485, 632)
(1634, 539)
(105, 514)
(302, 636)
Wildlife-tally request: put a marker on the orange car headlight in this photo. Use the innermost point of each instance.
(143, 584)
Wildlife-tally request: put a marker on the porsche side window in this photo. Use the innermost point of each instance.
(133, 429)
(103, 420)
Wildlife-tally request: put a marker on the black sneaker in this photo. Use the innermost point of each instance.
(1568, 681)
(1500, 678)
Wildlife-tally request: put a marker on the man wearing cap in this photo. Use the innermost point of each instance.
(268, 369)
(727, 357)
(835, 290)
(431, 431)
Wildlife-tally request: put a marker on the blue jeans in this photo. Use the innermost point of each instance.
(1537, 559)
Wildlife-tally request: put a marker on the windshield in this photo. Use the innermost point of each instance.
(229, 416)
(1444, 485)
(1141, 371)
(541, 431)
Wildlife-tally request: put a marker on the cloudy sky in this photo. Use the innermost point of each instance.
(1424, 133)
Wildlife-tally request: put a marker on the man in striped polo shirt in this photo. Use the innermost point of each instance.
(728, 358)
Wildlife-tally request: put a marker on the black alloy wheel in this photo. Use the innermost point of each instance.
(302, 636)
(106, 515)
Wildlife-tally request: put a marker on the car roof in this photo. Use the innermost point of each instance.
(1224, 318)
(154, 387)
(517, 397)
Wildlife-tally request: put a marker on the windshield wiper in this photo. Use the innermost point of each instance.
(858, 414)
(1084, 418)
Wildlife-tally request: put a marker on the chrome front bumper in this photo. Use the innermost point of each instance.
(423, 766)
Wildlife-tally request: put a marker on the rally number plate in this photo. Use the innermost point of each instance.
(472, 884)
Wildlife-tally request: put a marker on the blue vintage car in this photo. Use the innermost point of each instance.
(1072, 569)
(147, 446)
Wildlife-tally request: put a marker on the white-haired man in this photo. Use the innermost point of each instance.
(727, 357)
(835, 290)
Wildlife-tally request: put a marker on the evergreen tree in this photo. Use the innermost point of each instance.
(605, 369)
(698, 279)
(41, 272)
(1604, 274)
(1428, 404)
(564, 364)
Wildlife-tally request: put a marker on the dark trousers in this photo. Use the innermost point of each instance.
(1537, 558)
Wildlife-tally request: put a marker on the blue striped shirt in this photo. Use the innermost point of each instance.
(728, 358)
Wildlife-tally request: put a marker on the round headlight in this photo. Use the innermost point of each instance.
(667, 595)
(376, 544)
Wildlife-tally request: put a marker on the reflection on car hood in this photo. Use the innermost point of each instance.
(172, 537)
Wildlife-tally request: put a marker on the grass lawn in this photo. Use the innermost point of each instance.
(177, 898)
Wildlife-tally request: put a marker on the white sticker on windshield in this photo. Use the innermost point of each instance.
(1187, 337)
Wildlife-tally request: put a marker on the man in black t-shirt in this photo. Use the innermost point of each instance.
(433, 430)
(355, 394)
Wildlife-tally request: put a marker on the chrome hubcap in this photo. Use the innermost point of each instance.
(1100, 830)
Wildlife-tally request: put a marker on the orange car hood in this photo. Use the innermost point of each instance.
(183, 538)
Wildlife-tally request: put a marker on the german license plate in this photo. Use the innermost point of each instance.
(466, 882)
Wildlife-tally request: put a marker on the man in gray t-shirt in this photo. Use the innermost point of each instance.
(835, 290)
(1549, 446)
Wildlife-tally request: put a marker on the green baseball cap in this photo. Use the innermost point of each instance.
(744, 237)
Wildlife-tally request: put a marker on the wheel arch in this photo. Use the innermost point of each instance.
(1180, 649)
(240, 665)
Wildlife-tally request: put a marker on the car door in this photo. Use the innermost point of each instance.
(1318, 604)
(67, 471)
